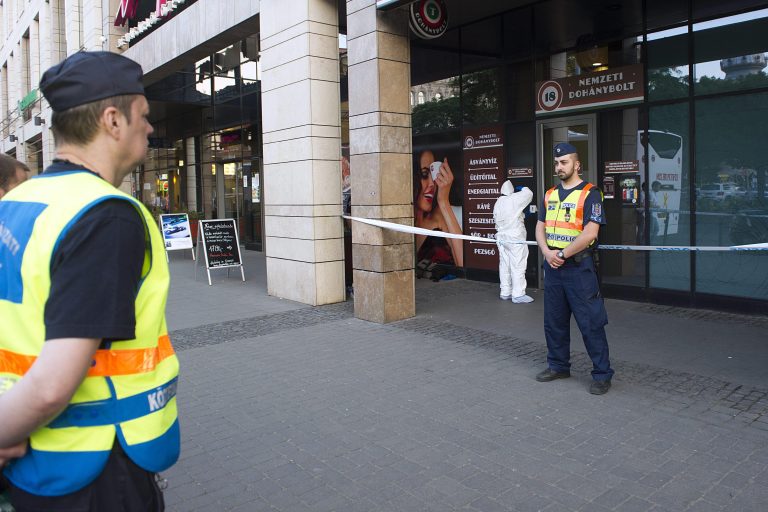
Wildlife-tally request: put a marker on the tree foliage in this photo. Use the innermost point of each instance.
(479, 103)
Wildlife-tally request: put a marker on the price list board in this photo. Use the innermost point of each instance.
(484, 173)
(221, 245)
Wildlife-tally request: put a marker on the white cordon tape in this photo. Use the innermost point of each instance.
(671, 248)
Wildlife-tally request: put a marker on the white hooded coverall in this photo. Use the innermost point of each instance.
(513, 258)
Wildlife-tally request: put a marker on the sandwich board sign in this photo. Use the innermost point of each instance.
(221, 245)
(176, 232)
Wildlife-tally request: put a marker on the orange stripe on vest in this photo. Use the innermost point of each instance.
(106, 362)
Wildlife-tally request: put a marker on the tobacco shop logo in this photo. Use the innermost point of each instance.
(469, 142)
(429, 18)
(550, 95)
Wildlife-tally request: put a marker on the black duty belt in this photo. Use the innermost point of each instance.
(578, 257)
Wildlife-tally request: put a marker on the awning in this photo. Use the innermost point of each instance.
(385, 5)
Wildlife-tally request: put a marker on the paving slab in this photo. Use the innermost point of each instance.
(288, 407)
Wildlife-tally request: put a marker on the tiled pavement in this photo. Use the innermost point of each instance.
(291, 408)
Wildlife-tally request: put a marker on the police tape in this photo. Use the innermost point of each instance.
(476, 239)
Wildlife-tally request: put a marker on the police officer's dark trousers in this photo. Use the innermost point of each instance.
(573, 288)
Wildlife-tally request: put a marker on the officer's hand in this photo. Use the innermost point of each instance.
(13, 452)
(553, 260)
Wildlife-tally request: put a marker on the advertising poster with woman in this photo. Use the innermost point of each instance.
(437, 204)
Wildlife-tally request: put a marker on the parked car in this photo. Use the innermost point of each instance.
(173, 229)
(718, 191)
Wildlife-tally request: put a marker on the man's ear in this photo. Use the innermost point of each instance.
(112, 121)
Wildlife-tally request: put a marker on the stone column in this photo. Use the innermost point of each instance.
(302, 150)
(191, 165)
(92, 24)
(73, 12)
(381, 155)
(110, 32)
(35, 43)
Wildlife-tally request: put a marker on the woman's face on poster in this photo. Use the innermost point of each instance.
(428, 188)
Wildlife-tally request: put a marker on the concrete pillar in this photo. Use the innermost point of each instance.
(73, 13)
(14, 78)
(302, 150)
(91, 23)
(47, 37)
(34, 55)
(381, 155)
(109, 30)
(4, 101)
(191, 174)
(57, 20)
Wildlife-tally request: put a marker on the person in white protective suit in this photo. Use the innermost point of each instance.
(508, 216)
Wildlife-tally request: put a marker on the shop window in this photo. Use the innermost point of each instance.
(481, 91)
(621, 142)
(703, 9)
(661, 14)
(518, 34)
(667, 54)
(665, 150)
(566, 24)
(481, 44)
(481, 96)
(729, 53)
(520, 95)
(589, 57)
(441, 114)
(435, 59)
(732, 197)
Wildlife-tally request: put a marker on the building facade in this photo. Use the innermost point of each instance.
(256, 105)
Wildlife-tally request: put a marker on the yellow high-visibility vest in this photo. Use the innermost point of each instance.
(564, 219)
(129, 392)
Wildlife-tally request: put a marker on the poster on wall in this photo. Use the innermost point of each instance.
(437, 198)
(176, 232)
(484, 173)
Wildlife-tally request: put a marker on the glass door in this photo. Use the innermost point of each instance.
(578, 131)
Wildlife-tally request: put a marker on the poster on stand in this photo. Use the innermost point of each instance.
(484, 173)
(176, 232)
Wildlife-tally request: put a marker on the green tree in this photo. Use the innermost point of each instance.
(436, 115)
(665, 84)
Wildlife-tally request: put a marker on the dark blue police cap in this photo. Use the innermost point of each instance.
(563, 149)
(85, 77)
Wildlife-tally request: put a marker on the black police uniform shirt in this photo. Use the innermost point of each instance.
(95, 272)
(593, 204)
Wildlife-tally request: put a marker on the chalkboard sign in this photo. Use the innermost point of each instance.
(221, 244)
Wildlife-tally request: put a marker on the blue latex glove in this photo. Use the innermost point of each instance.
(518, 188)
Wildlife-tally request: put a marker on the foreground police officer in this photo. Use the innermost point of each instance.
(87, 372)
(569, 221)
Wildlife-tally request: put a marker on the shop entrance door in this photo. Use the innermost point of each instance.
(578, 131)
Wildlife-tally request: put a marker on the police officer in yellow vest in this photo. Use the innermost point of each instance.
(87, 372)
(569, 221)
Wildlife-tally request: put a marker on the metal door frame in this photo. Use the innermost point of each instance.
(591, 165)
